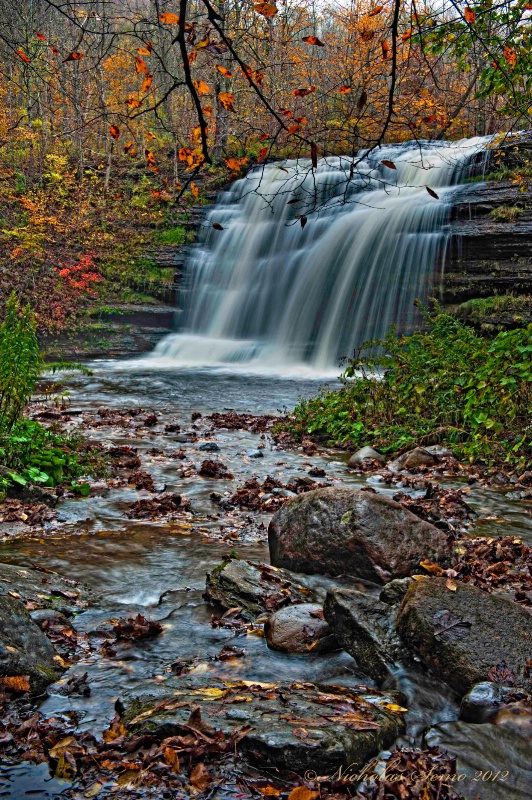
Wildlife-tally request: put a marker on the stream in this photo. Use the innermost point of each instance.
(158, 568)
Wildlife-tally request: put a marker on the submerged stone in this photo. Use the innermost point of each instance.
(300, 629)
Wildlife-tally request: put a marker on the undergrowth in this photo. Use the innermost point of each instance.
(443, 384)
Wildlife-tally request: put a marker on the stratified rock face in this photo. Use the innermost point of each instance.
(24, 649)
(297, 727)
(300, 629)
(337, 531)
(364, 627)
(463, 636)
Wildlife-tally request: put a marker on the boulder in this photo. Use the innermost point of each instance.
(365, 629)
(363, 454)
(300, 629)
(361, 533)
(24, 649)
(414, 459)
(253, 588)
(467, 635)
(439, 450)
(296, 727)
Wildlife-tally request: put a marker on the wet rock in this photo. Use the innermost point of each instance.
(300, 629)
(24, 649)
(296, 727)
(182, 438)
(214, 469)
(414, 459)
(253, 588)
(394, 591)
(44, 617)
(466, 635)
(42, 588)
(317, 472)
(365, 629)
(150, 421)
(439, 451)
(254, 453)
(485, 700)
(360, 533)
(494, 760)
(209, 447)
(363, 454)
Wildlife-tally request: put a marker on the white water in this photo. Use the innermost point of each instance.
(267, 295)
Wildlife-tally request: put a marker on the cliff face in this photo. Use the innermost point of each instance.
(489, 251)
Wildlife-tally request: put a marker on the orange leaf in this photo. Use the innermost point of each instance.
(16, 683)
(224, 71)
(344, 89)
(469, 15)
(201, 87)
(292, 129)
(367, 36)
(376, 10)
(226, 99)
(302, 793)
(114, 131)
(146, 82)
(169, 19)
(150, 158)
(285, 111)
(184, 153)
(510, 56)
(434, 569)
(22, 55)
(145, 51)
(269, 791)
(263, 152)
(432, 193)
(200, 777)
(235, 164)
(451, 585)
(141, 68)
(73, 57)
(149, 135)
(207, 110)
(264, 136)
(407, 34)
(40, 36)
(313, 40)
(385, 49)
(128, 146)
(303, 92)
(388, 164)
(266, 9)
(132, 102)
(195, 192)
(55, 51)
(172, 759)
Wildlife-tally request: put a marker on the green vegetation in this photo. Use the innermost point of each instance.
(28, 451)
(443, 384)
(506, 213)
(476, 311)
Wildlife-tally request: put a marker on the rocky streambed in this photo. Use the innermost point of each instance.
(226, 617)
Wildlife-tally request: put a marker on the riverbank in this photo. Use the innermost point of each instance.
(132, 548)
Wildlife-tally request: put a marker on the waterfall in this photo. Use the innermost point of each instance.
(270, 293)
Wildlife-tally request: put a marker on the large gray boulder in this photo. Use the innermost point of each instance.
(300, 629)
(24, 649)
(466, 636)
(360, 533)
(364, 626)
(365, 454)
(296, 727)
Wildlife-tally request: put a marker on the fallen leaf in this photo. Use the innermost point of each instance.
(432, 193)
(200, 777)
(388, 164)
(451, 585)
(450, 627)
(172, 759)
(302, 793)
(16, 683)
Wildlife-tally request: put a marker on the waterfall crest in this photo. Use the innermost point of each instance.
(267, 293)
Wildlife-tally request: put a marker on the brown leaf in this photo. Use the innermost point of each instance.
(376, 10)
(362, 100)
(407, 34)
(434, 569)
(146, 82)
(502, 674)
(303, 92)
(385, 49)
(217, 226)
(388, 164)
(200, 777)
(451, 585)
(432, 193)
(172, 759)
(302, 793)
(510, 56)
(314, 154)
(132, 102)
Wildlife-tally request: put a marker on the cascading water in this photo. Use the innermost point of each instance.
(269, 293)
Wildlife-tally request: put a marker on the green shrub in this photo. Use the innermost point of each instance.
(443, 384)
(506, 213)
(20, 362)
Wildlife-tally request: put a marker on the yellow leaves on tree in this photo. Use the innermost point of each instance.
(201, 87)
(226, 100)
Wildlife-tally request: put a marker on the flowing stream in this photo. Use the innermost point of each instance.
(271, 294)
